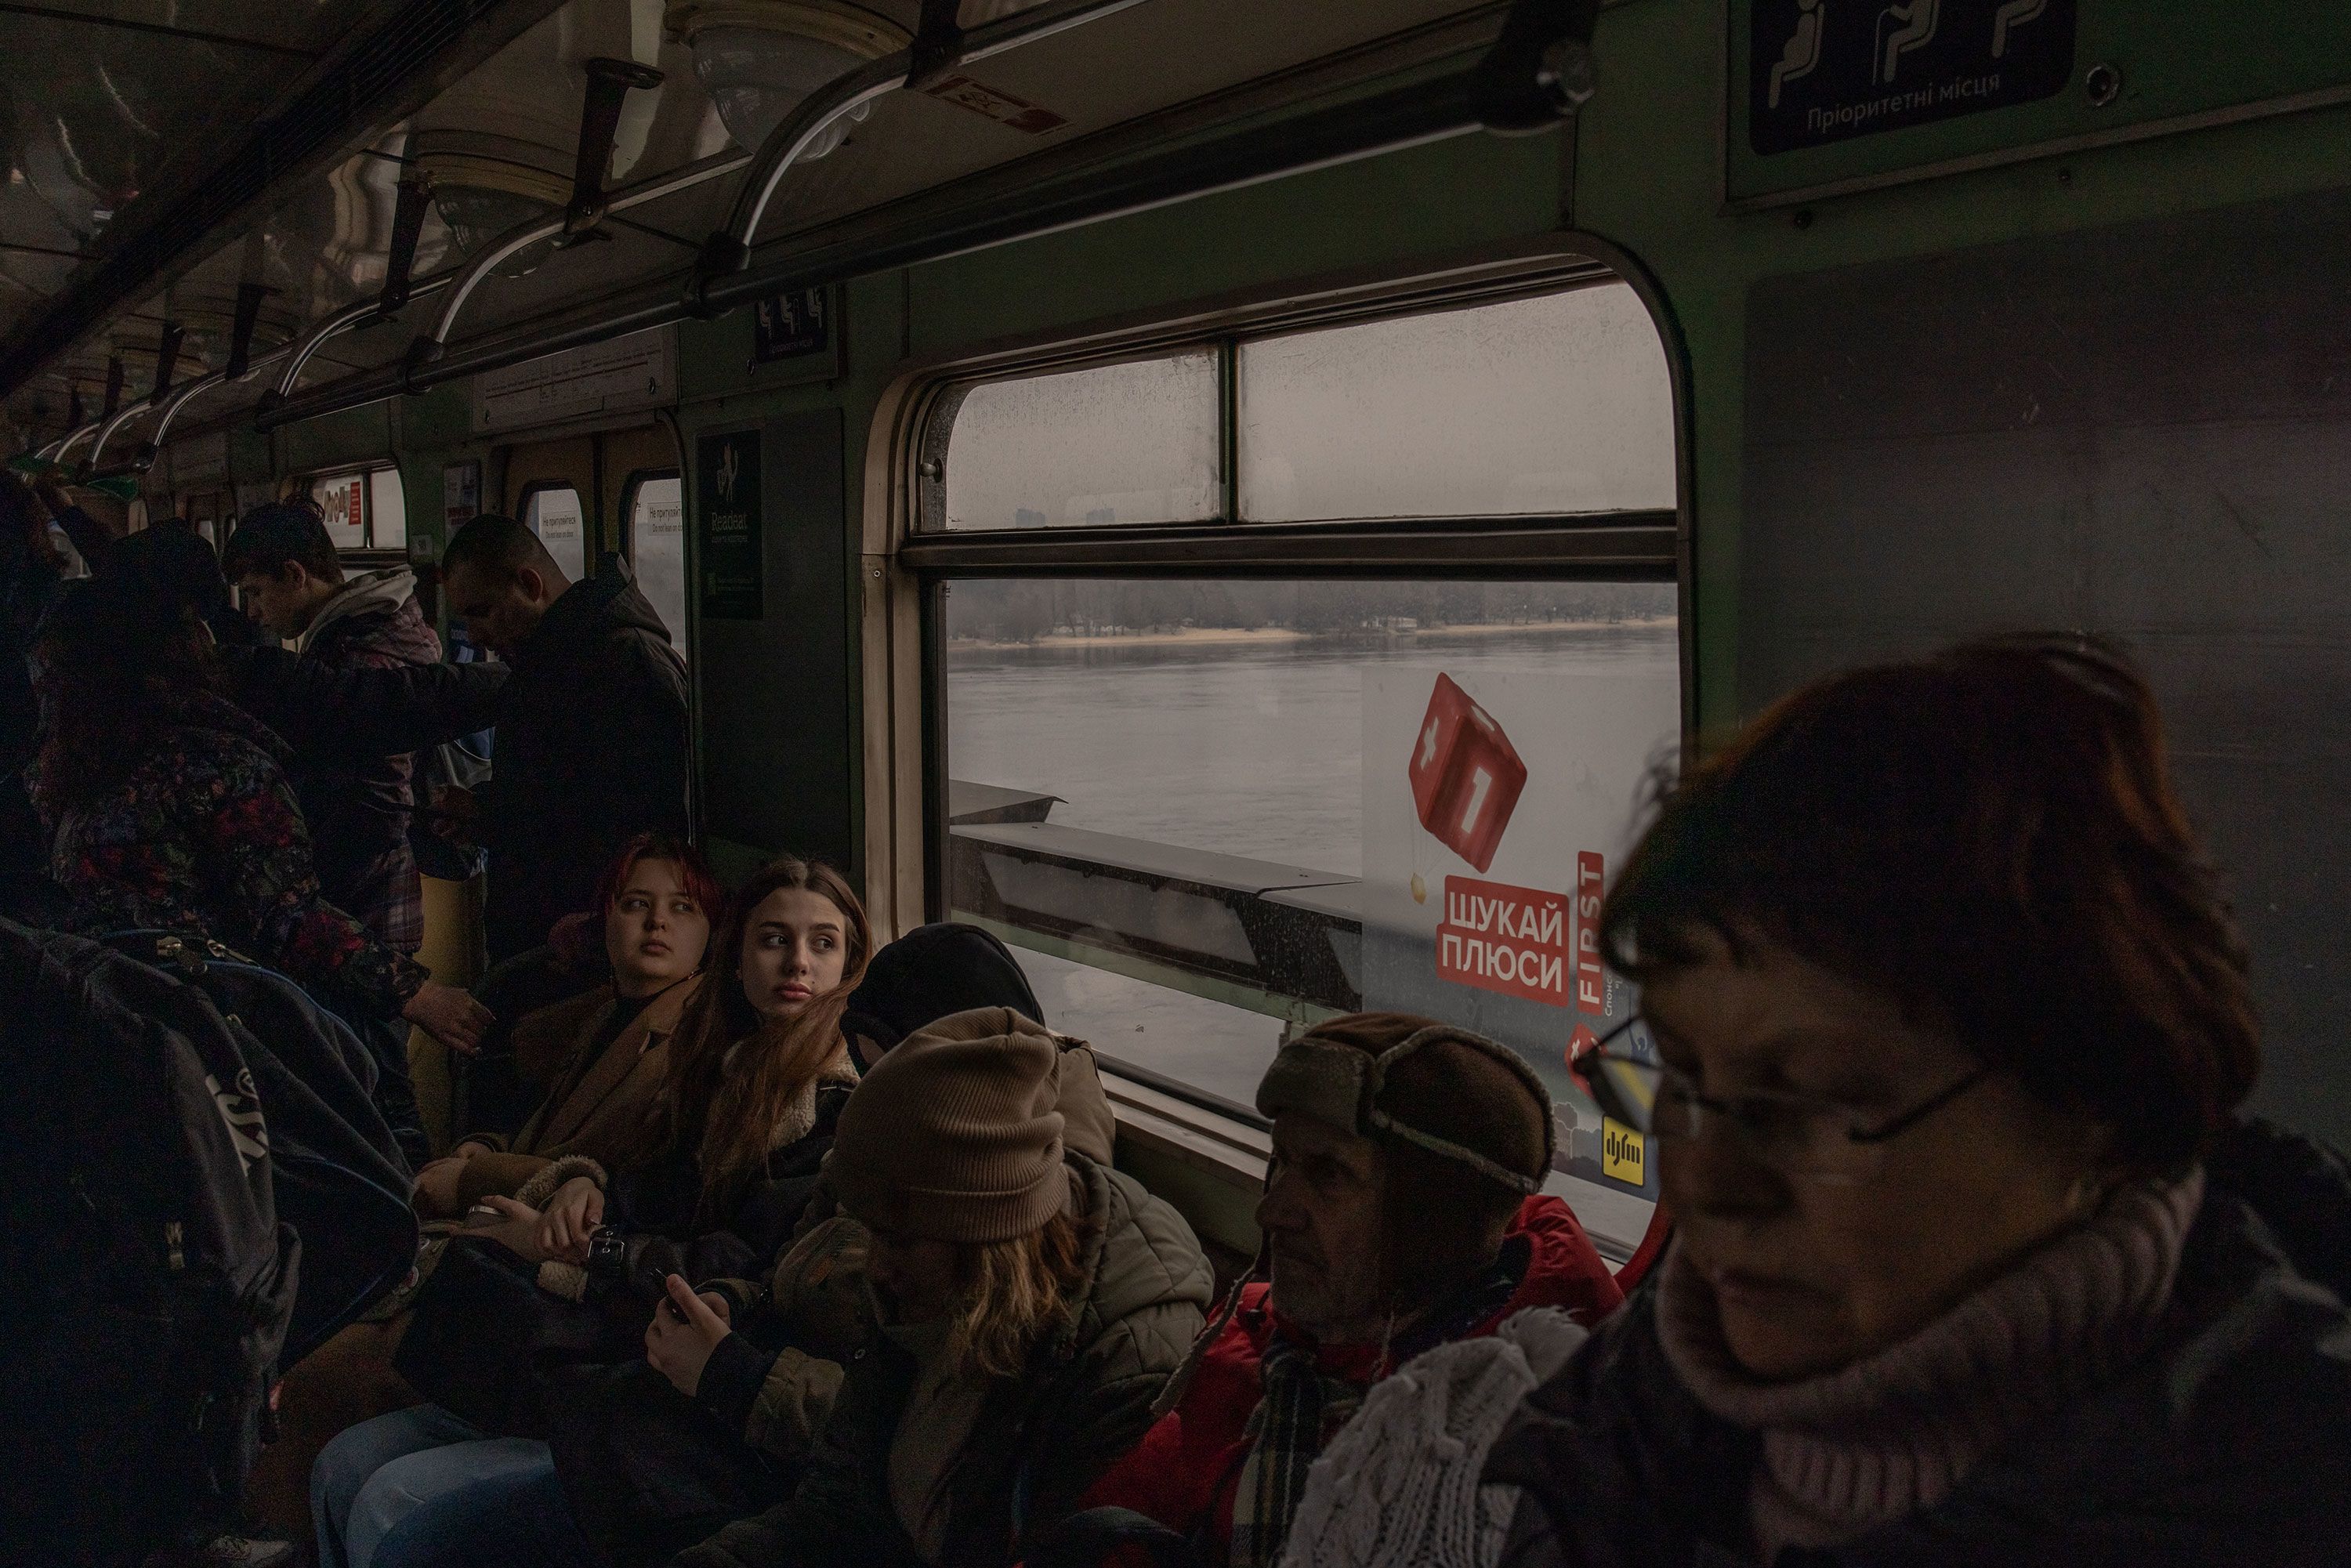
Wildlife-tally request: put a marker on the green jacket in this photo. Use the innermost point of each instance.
(1041, 1439)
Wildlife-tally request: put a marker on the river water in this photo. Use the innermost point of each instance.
(1246, 749)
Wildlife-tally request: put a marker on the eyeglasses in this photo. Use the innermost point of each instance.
(1806, 1135)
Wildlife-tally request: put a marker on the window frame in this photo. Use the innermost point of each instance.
(682, 635)
(907, 566)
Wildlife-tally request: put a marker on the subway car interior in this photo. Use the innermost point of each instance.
(1601, 544)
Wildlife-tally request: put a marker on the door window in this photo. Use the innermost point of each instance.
(656, 535)
(553, 512)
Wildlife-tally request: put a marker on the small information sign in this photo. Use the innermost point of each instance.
(1828, 70)
(732, 555)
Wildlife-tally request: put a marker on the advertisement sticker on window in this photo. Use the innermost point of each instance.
(1495, 807)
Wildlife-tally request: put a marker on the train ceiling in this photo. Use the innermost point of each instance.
(167, 157)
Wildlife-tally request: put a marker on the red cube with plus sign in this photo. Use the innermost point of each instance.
(1466, 775)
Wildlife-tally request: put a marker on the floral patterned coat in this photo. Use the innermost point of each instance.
(205, 838)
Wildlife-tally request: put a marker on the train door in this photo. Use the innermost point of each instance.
(551, 489)
(643, 478)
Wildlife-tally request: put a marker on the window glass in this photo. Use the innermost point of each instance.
(657, 548)
(1204, 812)
(342, 501)
(1133, 442)
(387, 510)
(1557, 404)
(553, 513)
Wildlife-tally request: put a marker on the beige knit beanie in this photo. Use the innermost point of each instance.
(954, 1135)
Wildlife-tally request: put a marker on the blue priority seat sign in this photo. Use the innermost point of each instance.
(1829, 71)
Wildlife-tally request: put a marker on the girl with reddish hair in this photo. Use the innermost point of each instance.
(605, 1053)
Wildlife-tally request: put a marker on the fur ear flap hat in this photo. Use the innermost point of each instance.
(1396, 1077)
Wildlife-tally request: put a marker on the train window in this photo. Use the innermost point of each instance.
(553, 512)
(387, 510)
(364, 509)
(1559, 404)
(656, 539)
(1203, 810)
(1130, 442)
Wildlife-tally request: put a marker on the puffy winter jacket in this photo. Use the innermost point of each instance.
(1039, 1440)
(2228, 1441)
(1184, 1472)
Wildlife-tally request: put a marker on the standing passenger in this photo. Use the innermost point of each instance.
(171, 808)
(31, 573)
(592, 746)
(281, 559)
(357, 808)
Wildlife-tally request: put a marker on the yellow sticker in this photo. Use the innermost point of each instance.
(1624, 1153)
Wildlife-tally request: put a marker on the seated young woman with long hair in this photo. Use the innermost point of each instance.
(604, 1053)
(757, 1079)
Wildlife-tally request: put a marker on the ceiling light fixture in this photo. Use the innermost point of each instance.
(760, 59)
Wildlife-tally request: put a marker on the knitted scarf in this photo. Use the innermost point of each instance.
(1892, 1434)
(1300, 1408)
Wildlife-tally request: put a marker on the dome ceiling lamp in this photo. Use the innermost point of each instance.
(759, 60)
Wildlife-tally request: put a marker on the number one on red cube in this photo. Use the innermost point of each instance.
(1466, 775)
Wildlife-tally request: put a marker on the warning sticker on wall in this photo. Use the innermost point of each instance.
(992, 103)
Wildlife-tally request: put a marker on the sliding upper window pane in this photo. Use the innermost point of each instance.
(1133, 443)
(1552, 405)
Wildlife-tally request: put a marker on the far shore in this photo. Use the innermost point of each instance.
(1238, 636)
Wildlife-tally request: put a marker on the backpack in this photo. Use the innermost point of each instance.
(338, 1175)
(146, 1279)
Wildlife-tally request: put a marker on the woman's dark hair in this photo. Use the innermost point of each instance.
(122, 657)
(1989, 836)
(733, 1129)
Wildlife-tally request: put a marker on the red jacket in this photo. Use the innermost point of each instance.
(1184, 1471)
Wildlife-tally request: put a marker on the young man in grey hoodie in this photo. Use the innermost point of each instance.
(358, 807)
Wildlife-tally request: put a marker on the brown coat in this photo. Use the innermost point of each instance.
(595, 1111)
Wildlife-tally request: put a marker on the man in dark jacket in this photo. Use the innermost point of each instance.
(283, 562)
(592, 743)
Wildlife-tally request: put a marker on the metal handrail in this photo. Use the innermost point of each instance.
(343, 320)
(54, 451)
(1522, 76)
(783, 146)
(121, 417)
(462, 282)
(181, 396)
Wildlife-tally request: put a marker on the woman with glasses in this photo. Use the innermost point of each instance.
(1976, 1260)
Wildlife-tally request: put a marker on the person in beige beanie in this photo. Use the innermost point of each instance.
(1026, 1304)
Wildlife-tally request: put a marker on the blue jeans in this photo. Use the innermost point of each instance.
(420, 1488)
